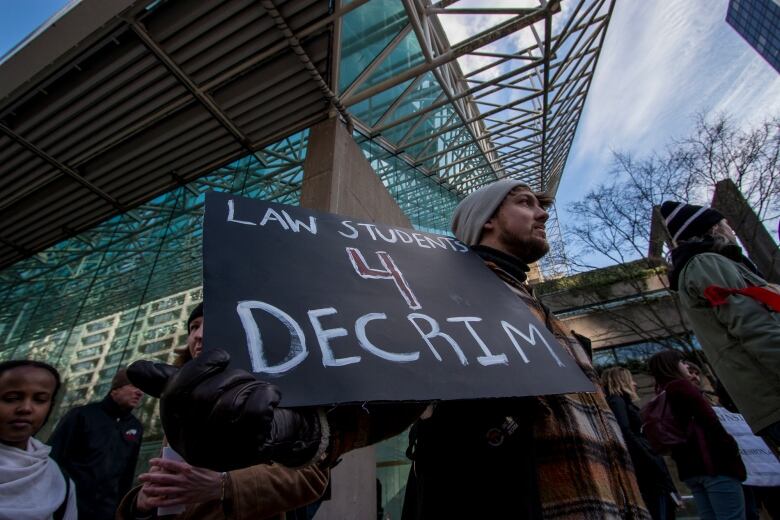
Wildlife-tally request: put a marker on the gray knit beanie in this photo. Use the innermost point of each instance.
(477, 208)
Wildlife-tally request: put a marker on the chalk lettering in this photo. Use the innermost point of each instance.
(404, 236)
(296, 224)
(325, 335)
(433, 333)
(391, 272)
(347, 223)
(254, 342)
(420, 240)
(392, 238)
(360, 332)
(231, 212)
(370, 229)
(436, 242)
(489, 358)
(533, 333)
(270, 214)
(463, 248)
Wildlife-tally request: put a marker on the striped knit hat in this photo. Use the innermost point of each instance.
(686, 220)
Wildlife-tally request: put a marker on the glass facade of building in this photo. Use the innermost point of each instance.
(123, 291)
(758, 22)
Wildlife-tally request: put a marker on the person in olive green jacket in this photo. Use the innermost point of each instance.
(730, 309)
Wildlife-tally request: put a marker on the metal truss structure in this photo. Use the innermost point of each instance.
(514, 116)
(436, 118)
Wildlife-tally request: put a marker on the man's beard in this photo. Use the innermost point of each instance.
(528, 250)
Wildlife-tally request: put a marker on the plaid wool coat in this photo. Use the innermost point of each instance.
(584, 469)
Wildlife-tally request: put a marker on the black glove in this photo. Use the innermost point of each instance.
(223, 419)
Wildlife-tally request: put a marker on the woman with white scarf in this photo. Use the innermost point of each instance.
(32, 486)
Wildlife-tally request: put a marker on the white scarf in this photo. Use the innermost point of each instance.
(31, 484)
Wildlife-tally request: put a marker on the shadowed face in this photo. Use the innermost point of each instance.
(695, 376)
(127, 397)
(26, 394)
(723, 229)
(195, 337)
(686, 374)
(518, 227)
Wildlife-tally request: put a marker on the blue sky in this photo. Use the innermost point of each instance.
(18, 18)
(662, 62)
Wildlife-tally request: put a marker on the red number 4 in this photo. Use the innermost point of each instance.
(390, 272)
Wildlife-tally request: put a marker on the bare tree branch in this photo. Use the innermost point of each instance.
(613, 220)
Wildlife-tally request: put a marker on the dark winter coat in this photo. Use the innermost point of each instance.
(97, 445)
(651, 471)
(709, 450)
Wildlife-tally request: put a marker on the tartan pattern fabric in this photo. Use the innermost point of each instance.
(584, 469)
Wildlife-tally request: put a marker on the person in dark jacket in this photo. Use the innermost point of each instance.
(709, 461)
(98, 446)
(652, 475)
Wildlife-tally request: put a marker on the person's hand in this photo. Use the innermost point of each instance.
(177, 483)
(221, 418)
(142, 500)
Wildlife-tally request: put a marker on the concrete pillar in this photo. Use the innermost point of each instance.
(751, 232)
(337, 178)
(658, 235)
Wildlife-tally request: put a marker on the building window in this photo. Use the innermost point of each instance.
(168, 303)
(164, 317)
(95, 338)
(634, 356)
(83, 380)
(100, 325)
(159, 332)
(112, 359)
(157, 346)
(89, 352)
(84, 365)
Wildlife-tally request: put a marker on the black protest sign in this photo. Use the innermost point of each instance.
(335, 310)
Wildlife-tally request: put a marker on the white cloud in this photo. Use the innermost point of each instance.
(460, 27)
(663, 62)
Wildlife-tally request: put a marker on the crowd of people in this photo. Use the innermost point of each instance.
(232, 452)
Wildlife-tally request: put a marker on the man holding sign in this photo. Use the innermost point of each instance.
(558, 456)
(483, 451)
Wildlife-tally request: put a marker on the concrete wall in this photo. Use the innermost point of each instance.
(628, 323)
(337, 178)
(617, 313)
(760, 246)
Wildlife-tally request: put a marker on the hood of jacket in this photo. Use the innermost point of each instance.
(682, 254)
